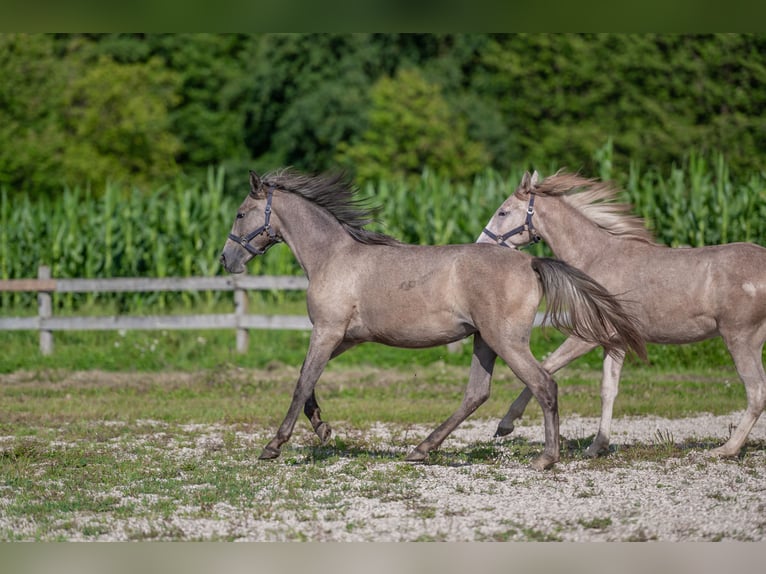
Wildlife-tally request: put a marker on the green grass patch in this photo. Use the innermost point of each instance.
(359, 395)
(193, 350)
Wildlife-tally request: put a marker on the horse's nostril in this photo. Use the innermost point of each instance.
(223, 259)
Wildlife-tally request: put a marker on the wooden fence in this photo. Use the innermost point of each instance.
(240, 320)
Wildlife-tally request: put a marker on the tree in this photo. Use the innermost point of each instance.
(656, 96)
(411, 127)
(310, 92)
(31, 136)
(210, 113)
(146, 107)
(69, 115)
(117, 120)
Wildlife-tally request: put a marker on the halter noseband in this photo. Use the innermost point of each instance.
(526, 226)
(244, 241)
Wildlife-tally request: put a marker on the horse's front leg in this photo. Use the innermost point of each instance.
(322, 344)
(313, 413)
(311, 407)
(476, 393)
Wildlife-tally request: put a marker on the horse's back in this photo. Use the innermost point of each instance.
(730, 266)
(497, 282)
(450, 272)
(740, 272)
(686, 294)
(413, 295)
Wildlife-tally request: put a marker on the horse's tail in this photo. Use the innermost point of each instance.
(578, 305)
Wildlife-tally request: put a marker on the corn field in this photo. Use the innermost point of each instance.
(700, 203)
(180, 230)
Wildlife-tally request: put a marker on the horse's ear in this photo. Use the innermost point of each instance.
(256, 185)
(526, 183)
(535, 179)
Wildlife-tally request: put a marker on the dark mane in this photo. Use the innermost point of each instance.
(336, 194)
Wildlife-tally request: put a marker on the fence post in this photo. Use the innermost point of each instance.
(44, 311)
(240, 310)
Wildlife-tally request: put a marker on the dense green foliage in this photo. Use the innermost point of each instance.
(657, 96)
(141, 109)
(126, 154)
(77, 117)
(410, 126)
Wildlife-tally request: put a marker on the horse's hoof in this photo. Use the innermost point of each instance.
(595, 451)
(269, 453)
(542, 463)
(503, 431)
(722, 452)
(324, 432)
(416, 456)
(590, 453)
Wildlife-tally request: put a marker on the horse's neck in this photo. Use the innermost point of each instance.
(312, 233)
(570, 235)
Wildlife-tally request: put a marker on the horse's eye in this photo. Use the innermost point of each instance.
(502, 213)
(240, 215)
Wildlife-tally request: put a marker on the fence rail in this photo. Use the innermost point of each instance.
(240, 320)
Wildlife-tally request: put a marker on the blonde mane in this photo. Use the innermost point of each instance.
(597, 201)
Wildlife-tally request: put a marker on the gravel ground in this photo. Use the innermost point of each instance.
(693, 498)
(689, 498)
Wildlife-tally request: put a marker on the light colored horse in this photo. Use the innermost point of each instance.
(680, 295)
(365, 286)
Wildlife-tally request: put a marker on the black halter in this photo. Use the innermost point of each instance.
(526, 226)
(265, 228)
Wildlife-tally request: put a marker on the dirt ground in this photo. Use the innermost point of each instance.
(691, 497)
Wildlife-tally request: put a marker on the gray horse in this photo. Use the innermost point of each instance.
(365, 286)
(680, 295)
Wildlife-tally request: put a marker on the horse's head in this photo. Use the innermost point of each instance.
(511, 225)
(253, 231)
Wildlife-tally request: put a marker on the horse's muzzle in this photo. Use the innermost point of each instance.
(231, 266)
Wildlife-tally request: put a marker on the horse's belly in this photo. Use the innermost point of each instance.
(678, 329)
(417, 338)
(409, 330)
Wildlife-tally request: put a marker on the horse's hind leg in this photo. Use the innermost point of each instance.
(747, 355)
(311, 407)
(569, 350)
(544, 389)
(476, 393)
(512, 345)
(610, 383)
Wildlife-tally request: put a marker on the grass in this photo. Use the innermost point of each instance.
(75, 480)
(150, 486)
(197, 376)
(151, 430)
(356, 393)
